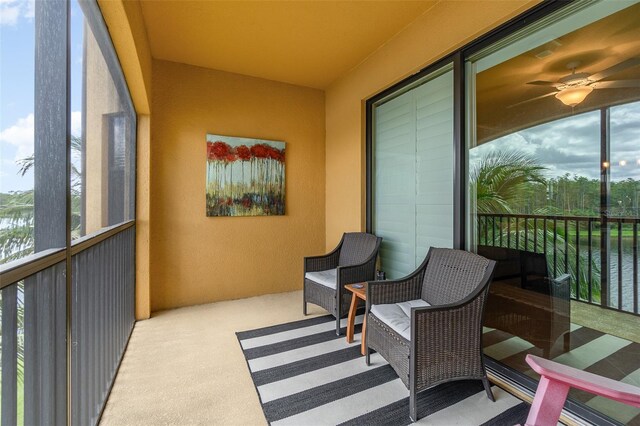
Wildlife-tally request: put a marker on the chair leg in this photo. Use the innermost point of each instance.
(338, 325)
(304, 307)
(548, 402)
(566, 344)
(487, 388)
(413, 406)
(367, 356)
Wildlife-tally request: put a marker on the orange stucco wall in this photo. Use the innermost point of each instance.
(129, 36)
(198, 259)
(439, 31)
(186, 258)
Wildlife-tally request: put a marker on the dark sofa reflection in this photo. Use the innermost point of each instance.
(525, 301)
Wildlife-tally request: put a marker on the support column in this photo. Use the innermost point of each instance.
(45, 304)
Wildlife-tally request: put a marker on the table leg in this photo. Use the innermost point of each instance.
(351, 319)
(363, 348)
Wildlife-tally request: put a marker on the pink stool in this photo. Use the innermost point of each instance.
(555, 381)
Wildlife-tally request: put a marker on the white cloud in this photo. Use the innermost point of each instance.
(9, 14)
(20, 135)
(30, 9)
(12, 10)
(76, 123)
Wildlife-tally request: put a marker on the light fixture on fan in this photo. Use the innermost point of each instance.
(573, 89)
(572, 96)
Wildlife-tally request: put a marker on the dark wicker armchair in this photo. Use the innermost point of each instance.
(353, 261)
(428, 325)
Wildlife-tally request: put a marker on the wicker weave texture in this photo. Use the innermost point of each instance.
(355, 260)
(448, 344)
(325, 297)
(356, 248)
(321, 263)
(451, 275)
(446, 340)
(381, 292)
(393, 347)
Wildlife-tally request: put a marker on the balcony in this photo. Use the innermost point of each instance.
(124, 302)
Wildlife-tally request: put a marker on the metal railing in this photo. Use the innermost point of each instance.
(34, 328)
(600, 254)
(103, 317)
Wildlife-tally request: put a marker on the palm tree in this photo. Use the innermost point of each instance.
(16, 235)
(500, 177)
(499, 181)
(17, 210)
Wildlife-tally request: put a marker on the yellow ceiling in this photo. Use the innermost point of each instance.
(308, 43)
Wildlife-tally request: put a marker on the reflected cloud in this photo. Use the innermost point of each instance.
(572, 145)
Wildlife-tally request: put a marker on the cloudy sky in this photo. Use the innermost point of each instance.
(17, 50)
(572, 145)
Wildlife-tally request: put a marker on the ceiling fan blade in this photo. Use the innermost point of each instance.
(543, 83)
(615, 84)
(532, 99)
(631, 62)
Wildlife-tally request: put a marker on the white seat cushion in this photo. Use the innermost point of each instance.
(398, 315)
(406, 306)
(327, 278)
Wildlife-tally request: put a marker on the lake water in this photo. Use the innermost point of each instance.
(627, 273)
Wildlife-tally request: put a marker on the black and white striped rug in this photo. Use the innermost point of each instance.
(306, 375)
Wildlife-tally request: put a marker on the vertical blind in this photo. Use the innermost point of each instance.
(413, 173)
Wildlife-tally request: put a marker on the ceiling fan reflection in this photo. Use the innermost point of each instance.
(575, 87)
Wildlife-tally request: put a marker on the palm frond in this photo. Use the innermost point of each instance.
(500, 177)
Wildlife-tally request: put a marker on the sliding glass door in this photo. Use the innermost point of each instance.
(525, 150)
(554, 177)
(413, 172)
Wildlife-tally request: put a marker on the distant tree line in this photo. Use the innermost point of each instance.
(577, 196)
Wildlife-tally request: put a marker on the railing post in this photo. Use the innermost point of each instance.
(9, 355)
(590, 260)
(577, 259)
(635, 265)
(620, 260)
(605, 174)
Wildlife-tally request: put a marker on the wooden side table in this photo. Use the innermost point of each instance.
(358, 294)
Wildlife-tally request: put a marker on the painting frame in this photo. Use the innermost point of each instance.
(244, 176)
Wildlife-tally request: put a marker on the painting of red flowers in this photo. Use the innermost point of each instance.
(245, 177)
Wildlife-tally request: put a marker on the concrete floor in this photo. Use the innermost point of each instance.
(185, 366)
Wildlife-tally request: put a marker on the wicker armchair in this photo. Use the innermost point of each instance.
(352, 261)
(428, 325)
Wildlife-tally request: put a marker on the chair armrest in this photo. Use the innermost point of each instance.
(561, 279)
(321, 263)
(560, 286)
(456, 326)
(324, 261)
(468, 313)
(394, 291)
(355, 273)
(589, 382)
